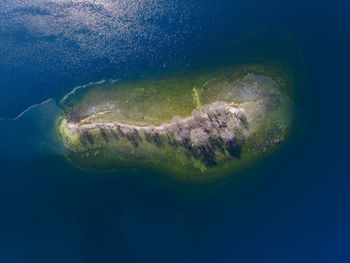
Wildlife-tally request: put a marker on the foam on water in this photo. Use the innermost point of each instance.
(35, 127)
(80, 87)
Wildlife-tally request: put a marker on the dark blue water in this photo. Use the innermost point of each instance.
(292, 207)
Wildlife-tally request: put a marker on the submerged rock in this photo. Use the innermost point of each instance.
(235, 116)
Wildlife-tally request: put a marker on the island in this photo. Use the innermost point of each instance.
(188, 125)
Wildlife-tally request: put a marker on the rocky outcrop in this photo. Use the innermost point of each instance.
(240, 115)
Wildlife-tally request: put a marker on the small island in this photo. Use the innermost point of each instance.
(191, 126)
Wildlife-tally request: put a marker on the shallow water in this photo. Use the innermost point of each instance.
(293, 206)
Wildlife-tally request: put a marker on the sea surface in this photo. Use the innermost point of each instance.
(293, 206)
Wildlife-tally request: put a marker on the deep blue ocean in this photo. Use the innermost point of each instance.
(294, 206)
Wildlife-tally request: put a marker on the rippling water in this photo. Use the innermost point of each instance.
(292, 207)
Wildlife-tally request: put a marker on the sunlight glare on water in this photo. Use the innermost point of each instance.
(112, 30)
